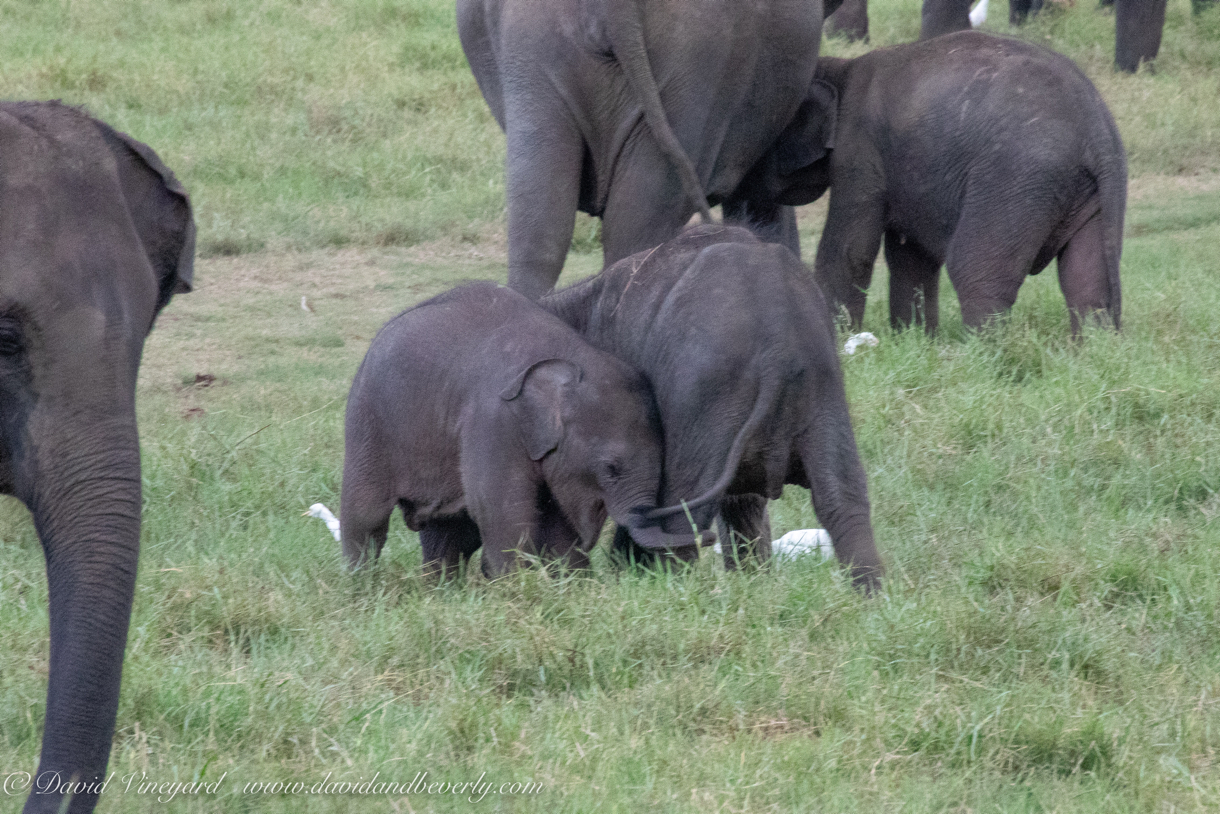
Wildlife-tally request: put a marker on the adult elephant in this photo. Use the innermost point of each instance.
(1138, 25)
(96, 235)
(640, 113)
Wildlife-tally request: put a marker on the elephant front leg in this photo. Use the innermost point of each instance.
(848, 248)
(558, 540)
(447, 544)
(1084, 276)
(544, 165)
(914, 284)
(747, 530)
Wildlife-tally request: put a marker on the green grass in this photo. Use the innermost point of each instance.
(1046, 639)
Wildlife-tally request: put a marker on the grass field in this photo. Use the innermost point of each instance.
(1046, 640)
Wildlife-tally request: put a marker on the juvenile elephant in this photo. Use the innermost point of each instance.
(987, 154)
(739, 347)
(640, 113)
(96, 235)
(489, 422)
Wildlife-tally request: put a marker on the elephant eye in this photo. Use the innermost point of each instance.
(612, 471)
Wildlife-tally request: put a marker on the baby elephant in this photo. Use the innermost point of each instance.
(989, 155)
(738, 345)
(490, 422)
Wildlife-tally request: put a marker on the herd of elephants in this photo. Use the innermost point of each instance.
(676, 391)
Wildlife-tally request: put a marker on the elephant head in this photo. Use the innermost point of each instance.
(96, 235)
(796, 169)
(597, 438)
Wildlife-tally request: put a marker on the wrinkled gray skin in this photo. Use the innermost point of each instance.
(96, 235)
(739, 347)
(587, 92)
(489, 422)
(986, 154)
(1137, 32)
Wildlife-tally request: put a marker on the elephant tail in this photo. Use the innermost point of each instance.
(1110, 168)
(768, 393)
(625, 27)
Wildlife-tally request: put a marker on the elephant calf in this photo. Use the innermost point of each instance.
(739, 347)
(986, 154)
(489, 422)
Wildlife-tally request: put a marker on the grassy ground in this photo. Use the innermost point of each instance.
(1046, 640)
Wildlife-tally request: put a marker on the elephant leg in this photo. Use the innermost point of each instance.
(646, 205)
(848, 248)
(1138, 25)
(1020, 10)
(914, 284)
(992, 252)
(558, 540)
(507, 519)
(943, 17)
(447, 544)
(850, 20)
(1083, 276)
(365, 506)
(543, 164)
(773, 223)
(837, 484)
(747, 529)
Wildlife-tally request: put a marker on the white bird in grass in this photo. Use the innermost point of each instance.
(979, 14)
(798, 543)
(320, 511)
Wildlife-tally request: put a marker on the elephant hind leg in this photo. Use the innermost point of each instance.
(1084, 276)
(914, 283)
(838, 486)
(646, 205)
(992, 252)
(447, 544)
(746, 530)
(365, 506)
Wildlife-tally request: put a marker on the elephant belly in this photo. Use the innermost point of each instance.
(415, 513)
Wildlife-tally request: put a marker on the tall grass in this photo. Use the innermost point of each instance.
(1046, 638)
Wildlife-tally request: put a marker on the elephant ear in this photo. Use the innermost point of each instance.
(810, 136)
(161, 210)
(538, 396)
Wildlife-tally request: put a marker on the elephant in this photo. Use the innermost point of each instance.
(490, 422)
(96, 235)
(850, 21)
(638, 113)
(943, 17)
(987, 154)
(739, 347)
(1138, 25)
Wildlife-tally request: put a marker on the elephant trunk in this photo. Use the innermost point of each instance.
(649, 533)
(85, 500)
